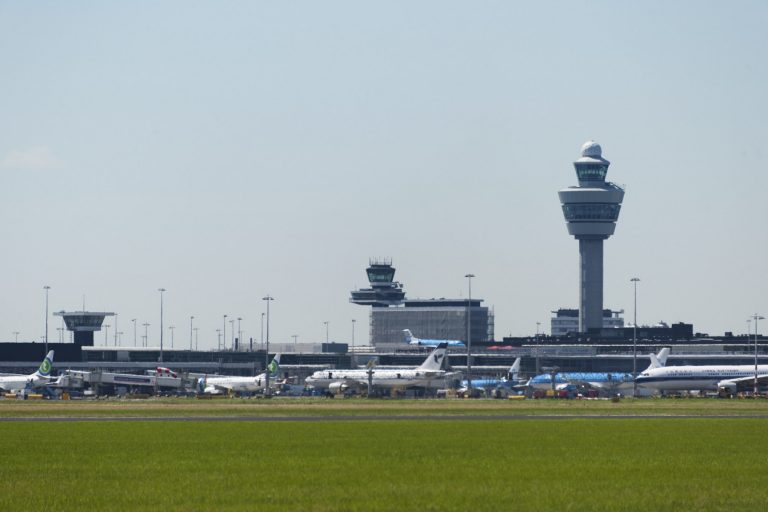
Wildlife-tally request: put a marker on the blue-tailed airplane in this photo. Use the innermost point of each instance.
(607, 382)
(413, 340)
(507, 382)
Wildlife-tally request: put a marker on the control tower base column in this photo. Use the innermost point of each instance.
(591, 293)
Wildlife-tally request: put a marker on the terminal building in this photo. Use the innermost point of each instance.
(442, 319)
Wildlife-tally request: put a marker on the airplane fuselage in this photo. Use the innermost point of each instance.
(682, 378)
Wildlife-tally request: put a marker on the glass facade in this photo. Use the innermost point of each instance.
(591, 212)
(381, 275)
(591, 172)
(437, 323)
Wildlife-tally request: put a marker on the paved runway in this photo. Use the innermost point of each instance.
(271, 419)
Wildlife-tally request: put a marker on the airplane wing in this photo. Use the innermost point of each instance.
(743, 383)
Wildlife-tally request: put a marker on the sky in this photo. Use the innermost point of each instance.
(229, 150)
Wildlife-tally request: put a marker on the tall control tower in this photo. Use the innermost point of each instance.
(591, 210)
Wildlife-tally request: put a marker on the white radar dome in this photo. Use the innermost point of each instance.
(591, 149)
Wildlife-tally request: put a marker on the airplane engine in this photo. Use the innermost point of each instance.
(338, 388)
(727, 388)
(200, 387)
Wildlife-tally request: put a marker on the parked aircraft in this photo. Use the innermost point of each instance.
(510, 380)
(726, 378)
(606, 382)
(413, 340)
(15, 383)
(221, 384)
(339, 381)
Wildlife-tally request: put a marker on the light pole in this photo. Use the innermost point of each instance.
(106, 335)
(115, 329)
(269, 299)
(146, 334)
(16, 337)
(119, 338)
(469, 333)
(353, 342)
(191, 329)
(224, 336)
(239, 333)
(538, 324)
(756, 317)
(46, 288)
(634, 281)
(232, 328)
(134, 331)
(294, 336)
(171, 328)
(218, 337)
(326, 332)
(195, 329)
(262, 331)
(161, 290)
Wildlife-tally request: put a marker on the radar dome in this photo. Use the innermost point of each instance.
(591, 149)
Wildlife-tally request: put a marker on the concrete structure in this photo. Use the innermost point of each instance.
(591, 210)
(566, 321)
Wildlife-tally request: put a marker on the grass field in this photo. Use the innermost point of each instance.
(569, 464)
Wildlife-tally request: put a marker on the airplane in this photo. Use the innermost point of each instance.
(339, 381)
(510, 380)
(727, 379)
(607, 382)
(15, 383)
(223, 384)
(413, 340)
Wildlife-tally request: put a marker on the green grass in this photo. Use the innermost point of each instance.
(291, 407)
(569, 464)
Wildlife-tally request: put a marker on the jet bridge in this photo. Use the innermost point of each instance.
(76, 379)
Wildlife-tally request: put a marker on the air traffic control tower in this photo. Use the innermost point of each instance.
(83, 324)
(591, 210)
(384, 290)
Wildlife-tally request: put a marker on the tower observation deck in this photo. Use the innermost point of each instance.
(591, 210)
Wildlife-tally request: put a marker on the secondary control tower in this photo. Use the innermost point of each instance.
(83, 324)
(591, 210)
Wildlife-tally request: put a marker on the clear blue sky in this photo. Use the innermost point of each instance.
(226, 150)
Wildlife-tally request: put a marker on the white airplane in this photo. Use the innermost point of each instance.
(339, 381)
(223, 384)
(413, 340)
(15, 383)
(725, 378)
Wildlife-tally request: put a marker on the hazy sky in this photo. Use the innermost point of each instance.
(226, 150)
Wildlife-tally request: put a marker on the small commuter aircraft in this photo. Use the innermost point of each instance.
(15, 383)
(413, 340)
(224, 384)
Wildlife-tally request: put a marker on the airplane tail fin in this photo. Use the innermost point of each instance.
(408, 335)
(514, 370)
(202, 384)
(434, 360)
(45, 366)
(274, 366)
(660, 359)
